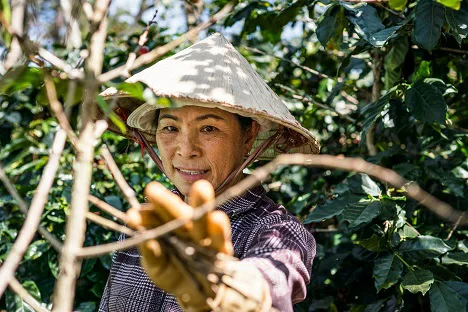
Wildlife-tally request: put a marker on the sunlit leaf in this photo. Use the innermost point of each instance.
(398, 5)
(422, 248)
(361, 212)
(417, 281)
(453, 4)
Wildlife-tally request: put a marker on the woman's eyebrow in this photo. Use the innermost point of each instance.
(203, 117)
(169, 116)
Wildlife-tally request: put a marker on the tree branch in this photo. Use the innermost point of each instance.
(16, 287)
(128, 192)
(64, 293)
(18, 8)
(107, 208)
(109, 224)
(33, 217)
(261, 174)
(160, 51)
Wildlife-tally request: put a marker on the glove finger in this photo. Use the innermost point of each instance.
(154, 257)
(168, 206)
(219, 232)
(201, 193)
(143, 218)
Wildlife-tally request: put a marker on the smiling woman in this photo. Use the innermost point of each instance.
(257, 257)
(201, 143)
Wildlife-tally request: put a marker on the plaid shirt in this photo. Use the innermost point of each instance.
(263, 234)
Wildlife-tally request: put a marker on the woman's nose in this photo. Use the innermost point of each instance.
(188, 145)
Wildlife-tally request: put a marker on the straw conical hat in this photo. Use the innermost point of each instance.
(212, 73)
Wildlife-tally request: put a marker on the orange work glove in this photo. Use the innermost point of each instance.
(196, 264)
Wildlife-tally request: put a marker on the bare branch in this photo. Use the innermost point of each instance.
(160, 51)
(18, 8)
(33, 217)
(16, 287)
(455, 226)
(309, 100)
(308, 69)
(107, 208)
(57, 109)
(128, 192)
(109, 224)
(64, 293)
(261, 174)
(23, 206)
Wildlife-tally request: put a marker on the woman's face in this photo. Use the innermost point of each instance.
(201, 143)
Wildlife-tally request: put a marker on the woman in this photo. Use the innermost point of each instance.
(225, 118)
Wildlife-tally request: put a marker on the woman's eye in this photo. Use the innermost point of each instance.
(208, 129)
(170, 129)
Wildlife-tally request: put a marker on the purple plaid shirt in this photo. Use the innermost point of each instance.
(263, 234)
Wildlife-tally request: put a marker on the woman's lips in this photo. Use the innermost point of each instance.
(191, 175)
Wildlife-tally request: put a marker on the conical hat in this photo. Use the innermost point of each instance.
(212, 73)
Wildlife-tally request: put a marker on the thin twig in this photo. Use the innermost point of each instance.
(454, 50)
(308, 100)
(455, 226)
(261, 174)
(412, 228)
(160, 51)
(128, 192)
(33, 217)
(57, 109)
(109, 224)
(400, 15)
(107, 208)
(31, 48)
(310, 70)
(16, 287)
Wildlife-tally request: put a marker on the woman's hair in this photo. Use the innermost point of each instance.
(245, 123)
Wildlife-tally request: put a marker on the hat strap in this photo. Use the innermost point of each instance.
(147, 146)
(257, 152)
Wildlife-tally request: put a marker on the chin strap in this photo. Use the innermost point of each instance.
(257, 152)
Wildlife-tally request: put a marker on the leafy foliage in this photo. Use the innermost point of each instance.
(398, 74)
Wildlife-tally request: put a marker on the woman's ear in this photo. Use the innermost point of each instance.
(249, 136)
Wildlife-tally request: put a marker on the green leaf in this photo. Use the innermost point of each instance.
(448, 296)
(407, 232)
(422, 248)
(448, 179)
(366, 19)
(428, 22)
(361, 212)
(426, 102)
(114, 201)
(398, 5)
(453, 4)
(6, 11)
(327, 211)
(32, 289)
(372, 112)
(423, 71)
(387, 271)
(457, 20)
(36, 249)
(53, 264)
(112, 116)
(393, 61)
(458, 258)
(134, 89)
(408, 171)
(20, 78)
(362, 184)
(374, 243)
(417, 281)
(331, 26)
(380, 38)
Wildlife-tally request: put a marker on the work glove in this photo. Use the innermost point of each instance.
(195, 262)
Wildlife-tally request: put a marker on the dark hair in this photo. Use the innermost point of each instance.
(245, 123)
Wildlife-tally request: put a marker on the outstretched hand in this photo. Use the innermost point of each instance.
(212, 232)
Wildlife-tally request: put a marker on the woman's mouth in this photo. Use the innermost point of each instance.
(191, 175)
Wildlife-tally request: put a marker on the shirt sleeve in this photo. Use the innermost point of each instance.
(283, 251)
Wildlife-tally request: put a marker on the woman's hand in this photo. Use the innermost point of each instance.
(193, 278)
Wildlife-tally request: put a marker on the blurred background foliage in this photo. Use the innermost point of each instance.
(384, 81)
